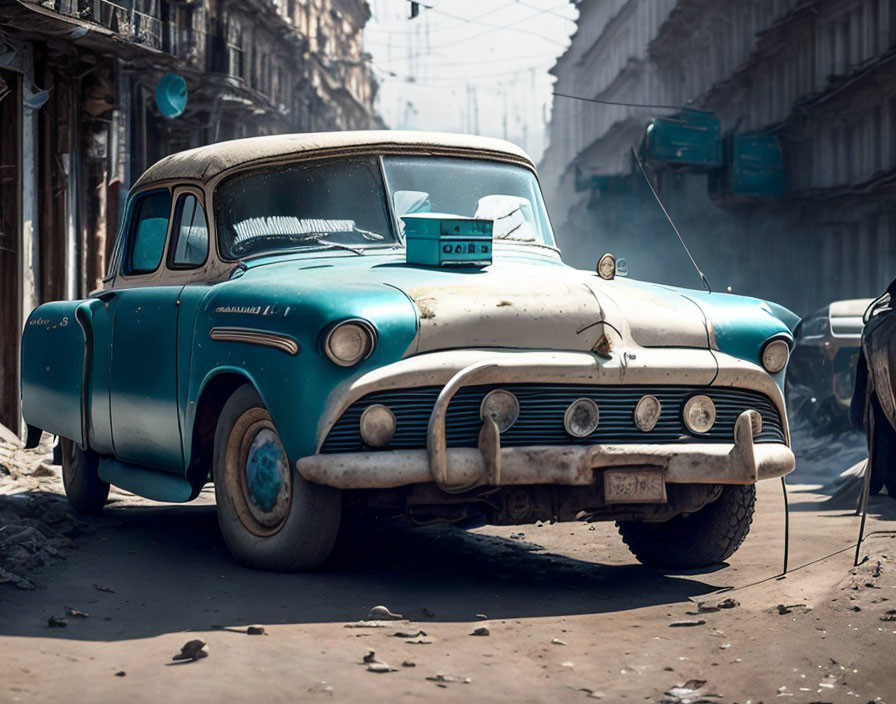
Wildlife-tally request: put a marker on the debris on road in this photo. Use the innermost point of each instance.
(427, 613)
(256, 631)
(374, 665)
(481, 631)
(419, 641)
(447, 679)
(687, 623)
(76, 612)
(36, 523)
(120, 673)
(728, 603)
(193, 650)
(788, 608)
(684, 692)
(409, 634)
(408, 663)
(381, 613)
(557, 641)
(56, 622)
(101, 588)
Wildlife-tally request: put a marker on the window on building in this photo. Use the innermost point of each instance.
(148, 232)
(190, 244)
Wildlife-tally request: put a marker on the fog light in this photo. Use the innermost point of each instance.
(775, 355)
(699, 414)
(377, 425)
(502, 407)
(647, 413)
(581, 418)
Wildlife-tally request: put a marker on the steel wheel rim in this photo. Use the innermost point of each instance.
(257, 474)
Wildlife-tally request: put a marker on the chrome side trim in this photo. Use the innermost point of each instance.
(255, 337)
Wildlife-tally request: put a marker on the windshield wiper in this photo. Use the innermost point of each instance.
(340, 245)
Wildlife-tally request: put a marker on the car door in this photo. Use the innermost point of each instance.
(143, 308)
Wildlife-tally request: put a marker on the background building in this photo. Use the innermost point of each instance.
(813, 82)
(79, 120)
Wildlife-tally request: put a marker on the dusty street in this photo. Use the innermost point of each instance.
(570, 615)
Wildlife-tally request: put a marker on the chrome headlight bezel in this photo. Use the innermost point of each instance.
(368, 339)
(775, 354)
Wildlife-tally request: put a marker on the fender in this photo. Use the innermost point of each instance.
(57, 355)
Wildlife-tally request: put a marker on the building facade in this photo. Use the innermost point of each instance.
(815, 78)
(80, 123)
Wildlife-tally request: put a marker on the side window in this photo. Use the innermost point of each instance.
(190, 244)
(148, 232)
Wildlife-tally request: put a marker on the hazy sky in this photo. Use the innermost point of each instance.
(477, 66)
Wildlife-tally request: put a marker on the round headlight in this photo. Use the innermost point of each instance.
(581, 418)
(377, 425)
(647, 413)
(699, 414)
(350, 342)
(775, 355)
(606, 267)
(502, 407)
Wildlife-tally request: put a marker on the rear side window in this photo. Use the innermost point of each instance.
(190, 244)
(150, 227)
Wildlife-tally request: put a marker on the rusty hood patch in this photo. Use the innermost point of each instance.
(503, 310)
(559, 309)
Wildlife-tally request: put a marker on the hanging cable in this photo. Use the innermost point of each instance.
(616, 102)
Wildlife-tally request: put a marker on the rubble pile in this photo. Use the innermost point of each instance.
(36, 522)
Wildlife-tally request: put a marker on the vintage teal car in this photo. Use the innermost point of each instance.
(380, 322)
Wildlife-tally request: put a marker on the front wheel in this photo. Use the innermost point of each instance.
(84, 489)
(270, 516)
(706, 537)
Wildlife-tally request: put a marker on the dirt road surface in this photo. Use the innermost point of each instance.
(570, 615)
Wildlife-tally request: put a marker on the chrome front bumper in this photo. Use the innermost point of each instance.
(458, 469)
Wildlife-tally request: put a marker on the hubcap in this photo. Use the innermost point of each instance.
(267, 479)
(257, 475)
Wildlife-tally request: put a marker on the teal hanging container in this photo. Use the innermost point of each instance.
(690, 139)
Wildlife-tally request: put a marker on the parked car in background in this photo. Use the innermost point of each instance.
(821, 372)
(381, 322)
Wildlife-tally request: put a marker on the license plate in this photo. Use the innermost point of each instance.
(634, 486)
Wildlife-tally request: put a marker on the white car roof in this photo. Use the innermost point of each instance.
(205, 163)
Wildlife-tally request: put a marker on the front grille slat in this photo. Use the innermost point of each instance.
(541, 416)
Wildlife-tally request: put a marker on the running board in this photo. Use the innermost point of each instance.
(148, 483)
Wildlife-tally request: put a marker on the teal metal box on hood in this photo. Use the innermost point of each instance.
(381, 323)
(436, 240)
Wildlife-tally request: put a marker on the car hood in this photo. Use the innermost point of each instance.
(518, 303)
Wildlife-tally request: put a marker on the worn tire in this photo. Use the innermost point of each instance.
(707, 537)
(294, 531)
(84, 489)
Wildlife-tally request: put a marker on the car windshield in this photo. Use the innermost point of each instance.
(340, 203)
(509, 195)
(313, 205)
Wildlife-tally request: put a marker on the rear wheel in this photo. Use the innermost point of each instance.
(84, 489)
(270, 516)
(706, 537)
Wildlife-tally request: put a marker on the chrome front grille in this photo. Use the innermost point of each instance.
(540, 420)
